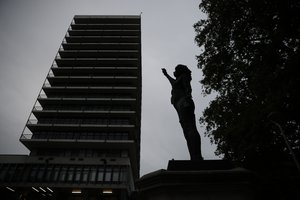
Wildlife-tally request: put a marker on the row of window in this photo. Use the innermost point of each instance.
(89, 83)
(101, 62)
(110, 27)
(85, 107)
(78, 20)
(62, 173)
(81, 153)
(90, 95)
(83, 98)
(95, 54)
(55, 65)
(96, 121)
(90, 72)
(103, 33)
(81, 135)
(99, 39)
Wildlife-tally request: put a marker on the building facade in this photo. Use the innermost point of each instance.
(84, 130)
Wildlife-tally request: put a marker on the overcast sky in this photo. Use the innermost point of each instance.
(31, 32)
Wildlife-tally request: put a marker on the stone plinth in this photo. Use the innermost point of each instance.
(187, 165)
(204, 180)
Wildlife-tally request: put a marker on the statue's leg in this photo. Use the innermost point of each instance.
(188, 124)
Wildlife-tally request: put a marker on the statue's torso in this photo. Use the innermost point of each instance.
(181, 90)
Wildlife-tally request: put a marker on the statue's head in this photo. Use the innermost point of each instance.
(181, 69)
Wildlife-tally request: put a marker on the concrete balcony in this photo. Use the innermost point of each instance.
(113, 19)
(113, 82)
(39, 113)
(104, 32)
(118, 54)
(31, 143)
(101, 46)
(47, 101)
(34, 126)
(97, 62)
(102, 39)
(96, 71)
(67, 91)
(105, 26)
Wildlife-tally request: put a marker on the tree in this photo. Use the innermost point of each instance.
(251, 58)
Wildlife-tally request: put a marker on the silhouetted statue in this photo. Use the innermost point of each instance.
(185, 107)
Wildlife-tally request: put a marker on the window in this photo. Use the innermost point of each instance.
(62, 174)
(48, 173)
(68, 153)
(93, 172)
(36, 135)
(124, 136)
(55, 174)
(81, 153)
(3, 171)
(100, 153)
(89, 153)
(70, 174)
(10, 172)
(18, 173)
(83, 135)
(78, 173)
(100, 174)
(85, 174)
(40, 174)
(74, 153)
(108, 174)
(113, 153)
(100, 136)
(26, 172)
(124, 153)
(76, 135)
(70, 135)
(115, 174)
(90, 136)
(123, 174)
(33, 173)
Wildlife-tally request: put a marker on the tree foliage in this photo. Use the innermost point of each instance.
(251, 59)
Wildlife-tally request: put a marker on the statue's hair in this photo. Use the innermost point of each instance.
(182, 69)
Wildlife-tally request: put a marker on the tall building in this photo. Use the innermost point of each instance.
(84, 130)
